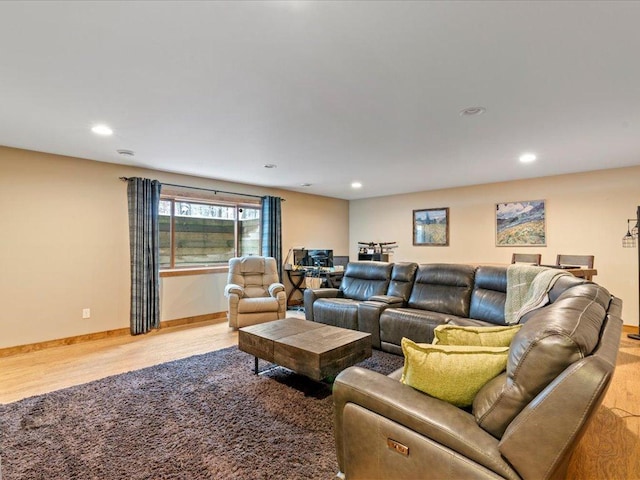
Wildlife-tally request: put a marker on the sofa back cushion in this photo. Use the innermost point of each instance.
(550, 340)
(402, 277)
(563, 283)
(489, 294)
(361, 280)
(444, 288)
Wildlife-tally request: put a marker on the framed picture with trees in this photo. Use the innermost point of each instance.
(431, 227)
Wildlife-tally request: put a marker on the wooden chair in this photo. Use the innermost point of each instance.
(532, 258)
(585, 261)
(577, 260)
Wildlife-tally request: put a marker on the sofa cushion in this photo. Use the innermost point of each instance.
(339, 312)
(549, 341)
(489, 294)
(453, 373)
(444, 288)
(258, 304)
(563, 283)
(498, 336)
(361, 280)
(418, 325)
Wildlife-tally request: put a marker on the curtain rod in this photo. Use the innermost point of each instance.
(215, 191)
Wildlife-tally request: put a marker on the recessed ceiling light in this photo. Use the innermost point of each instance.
(126, 153)
(102, 130)
(356, 185)
(305, 184)
(270, 165)
(471, 111)
(528, 157)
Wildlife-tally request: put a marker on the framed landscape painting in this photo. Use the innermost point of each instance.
(431, 227)
(521, 224)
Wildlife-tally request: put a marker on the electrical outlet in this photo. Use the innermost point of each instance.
(86, 313)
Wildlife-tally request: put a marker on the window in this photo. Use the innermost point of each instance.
(197, 233)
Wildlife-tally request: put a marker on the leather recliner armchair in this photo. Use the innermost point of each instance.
(524, 424)
(254, 292)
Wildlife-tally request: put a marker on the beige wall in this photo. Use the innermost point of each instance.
(65, 245)
(585, 214)
(64, 237)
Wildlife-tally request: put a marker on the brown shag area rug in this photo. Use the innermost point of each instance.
(203, 417)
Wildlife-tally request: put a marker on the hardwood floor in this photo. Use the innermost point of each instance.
(610, 448)
(43, 371)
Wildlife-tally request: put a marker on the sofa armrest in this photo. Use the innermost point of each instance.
(232, 288)
(232, 308)
(281, 296)
(369, 318)
(274, 288)
(434, 419)
(390, 300)
(311, 295)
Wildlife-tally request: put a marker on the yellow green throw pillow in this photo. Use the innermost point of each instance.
(499, 336)
(453, 373)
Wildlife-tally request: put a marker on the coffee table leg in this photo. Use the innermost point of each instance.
(255, 365)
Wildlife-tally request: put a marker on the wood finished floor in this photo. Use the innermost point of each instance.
(610, 448)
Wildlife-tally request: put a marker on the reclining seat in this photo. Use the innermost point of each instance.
(441, 293)
(254, 292)
(339, 306)
(488, 298)
(524, 424)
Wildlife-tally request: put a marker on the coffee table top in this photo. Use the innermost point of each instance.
(323, 339)
(312, 336)
(285, 327)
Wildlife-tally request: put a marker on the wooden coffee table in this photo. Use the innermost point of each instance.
(315, 350)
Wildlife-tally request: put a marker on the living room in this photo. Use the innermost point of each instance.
(65, 244)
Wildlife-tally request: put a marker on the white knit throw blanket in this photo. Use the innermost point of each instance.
(527, 289)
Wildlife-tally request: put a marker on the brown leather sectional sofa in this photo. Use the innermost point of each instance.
(523, 424)
(392, 301)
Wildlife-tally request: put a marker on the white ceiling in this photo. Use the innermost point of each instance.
(330, 92)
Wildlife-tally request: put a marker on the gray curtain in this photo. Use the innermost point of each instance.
(271, 218)
(144, 239)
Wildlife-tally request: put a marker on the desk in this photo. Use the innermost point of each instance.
(586, 273)
(581, 272)
(296, 277)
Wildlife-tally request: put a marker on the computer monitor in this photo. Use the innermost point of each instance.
(320, 258)
(340, 260)
(313, 258)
